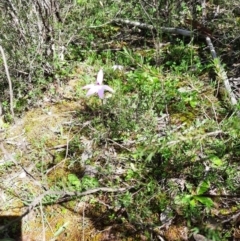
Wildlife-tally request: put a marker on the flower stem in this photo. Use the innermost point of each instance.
(102, 110)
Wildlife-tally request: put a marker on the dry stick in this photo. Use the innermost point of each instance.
(204, 11)
(180, 31)
(9, 81)
(221, 72)
(63, 197)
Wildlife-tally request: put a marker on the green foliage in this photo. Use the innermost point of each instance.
(163, 135)
(84, 184)
(89, 183)
(131, 115)
(74, 181)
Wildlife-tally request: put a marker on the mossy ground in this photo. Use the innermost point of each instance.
(38, 142)
(47, 142)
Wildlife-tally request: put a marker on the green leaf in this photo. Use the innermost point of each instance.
(193, 103)
(74, 181)
(186, 199)
(203, 187)
(89, 182)
(150, 156)
(192, 203)
(204, 200)
(216, 161)
(130, 175)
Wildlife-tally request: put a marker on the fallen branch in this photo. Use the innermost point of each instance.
(9, 80)
(68, 195)
(63, 196)
(221, 72)
(180, 31)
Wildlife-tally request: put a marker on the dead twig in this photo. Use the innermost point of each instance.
(63, 196)
(9, 80)
(221, 72)
(180, 31)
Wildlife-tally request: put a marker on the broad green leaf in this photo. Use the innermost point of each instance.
(203, 187)
(216, 161)
(193, 203)
(189, 187)
(204, 200)
(182, 200)
(186, 199)
(193, 103)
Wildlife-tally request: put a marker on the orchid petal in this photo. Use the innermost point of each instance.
(98, 88)
(93, 90)
(88, 86)
(108, 88)
(101, 93)
(100, 77)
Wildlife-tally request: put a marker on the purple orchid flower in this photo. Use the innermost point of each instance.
(98, 88)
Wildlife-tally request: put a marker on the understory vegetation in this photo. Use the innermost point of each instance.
(155, 159)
